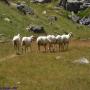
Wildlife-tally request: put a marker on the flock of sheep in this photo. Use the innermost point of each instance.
(62, 41)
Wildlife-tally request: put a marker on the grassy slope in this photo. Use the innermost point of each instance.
(20, 21)
(85, 13)
(41, 71)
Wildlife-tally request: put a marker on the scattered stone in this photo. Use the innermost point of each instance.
(18, 82)
(44, 12)
(21, 6)
(74, 17)
(7, 19)
(85, 21)
(58, 57)
(82, 61)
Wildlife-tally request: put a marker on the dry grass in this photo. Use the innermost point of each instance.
(43, 71)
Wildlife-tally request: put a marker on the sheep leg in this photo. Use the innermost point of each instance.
(38, 47)
(25, 49)
(45, 47)
(54, 48)
(67, 46)
(18, 49)
(59, 47)
(50, 47)
(62, 47)
(15, 46)
(22, 49)
(30, 48)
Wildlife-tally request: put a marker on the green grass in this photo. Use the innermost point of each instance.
(20, 21)
(42, 71)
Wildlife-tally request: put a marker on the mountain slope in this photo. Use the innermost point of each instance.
(20, 21)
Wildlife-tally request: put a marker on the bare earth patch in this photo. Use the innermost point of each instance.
(80, 43)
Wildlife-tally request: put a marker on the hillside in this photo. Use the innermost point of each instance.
(39, 70)
(20, 21)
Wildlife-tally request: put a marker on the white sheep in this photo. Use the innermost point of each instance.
(42, 41)
(16, 42)
(26, 42)
(51, 41)
(66, 39)
(59, 41)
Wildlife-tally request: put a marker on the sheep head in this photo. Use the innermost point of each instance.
(71, 34)
(33, 38)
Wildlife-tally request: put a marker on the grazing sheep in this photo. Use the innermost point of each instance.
(52, 41)
(66, 39)
(16, 42)
(26, 42)
(42, 41)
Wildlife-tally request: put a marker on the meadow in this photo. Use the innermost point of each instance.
(38, 70)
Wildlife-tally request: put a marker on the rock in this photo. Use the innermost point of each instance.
(82, 61)
(58, 57)
(7, 19)
(18, 82)
(85, 21)
(44, 12)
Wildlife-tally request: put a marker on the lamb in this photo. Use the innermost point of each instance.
(16, 42)
(26, 42)
(42, 41)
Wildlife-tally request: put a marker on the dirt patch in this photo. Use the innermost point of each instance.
(80, 43)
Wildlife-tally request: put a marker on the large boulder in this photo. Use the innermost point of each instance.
(36, 29)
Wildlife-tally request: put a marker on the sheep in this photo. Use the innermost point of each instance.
(59, 41)
(42, 41)
(52, 41)
(16, 42)
(66, 39)
(26, 42)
